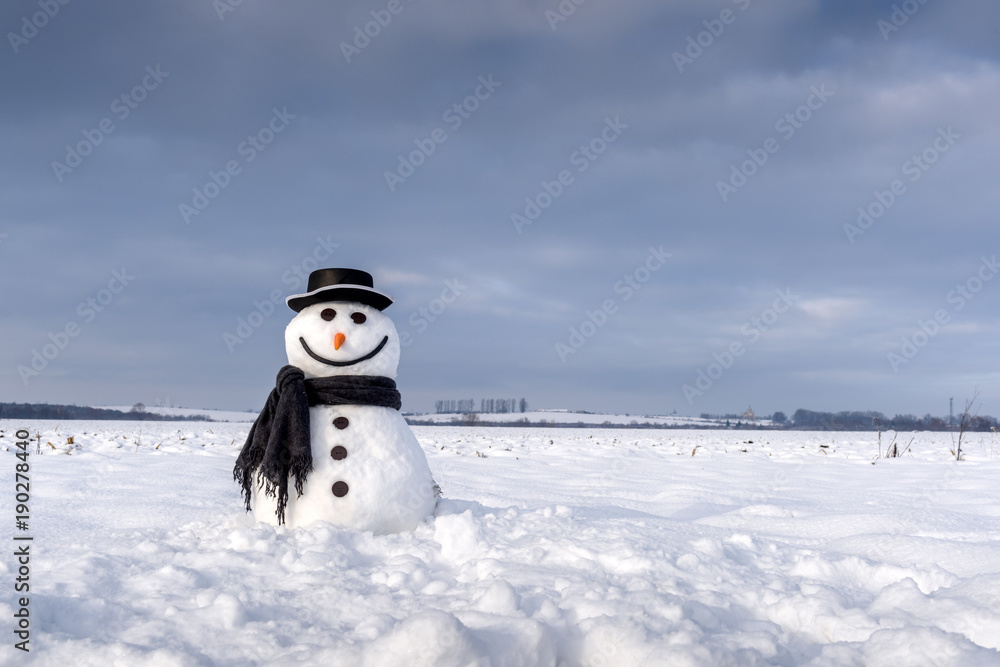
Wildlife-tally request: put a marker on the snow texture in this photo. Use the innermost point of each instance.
(553, 547)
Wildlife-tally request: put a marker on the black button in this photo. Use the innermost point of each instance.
(339, 453)
(341, 422)
(340, 489)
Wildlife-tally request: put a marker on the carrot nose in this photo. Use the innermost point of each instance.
(338, 340)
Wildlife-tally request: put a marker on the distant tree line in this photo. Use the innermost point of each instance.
(486, 406)
(864, 420)
(731, 415)
(460, 406)
(808, 420)
(472, 419)
(49, 411)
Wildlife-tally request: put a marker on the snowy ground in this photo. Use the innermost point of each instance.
(554, 547)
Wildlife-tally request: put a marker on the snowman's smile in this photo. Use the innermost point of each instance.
(330, 362)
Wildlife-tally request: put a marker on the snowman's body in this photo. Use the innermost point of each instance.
(368, 470)
(372, 451)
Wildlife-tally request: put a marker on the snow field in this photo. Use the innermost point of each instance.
(551, 547)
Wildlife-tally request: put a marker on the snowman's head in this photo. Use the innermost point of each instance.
(342, 338)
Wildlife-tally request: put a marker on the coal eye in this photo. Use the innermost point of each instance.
(359, 318)
(328, 314)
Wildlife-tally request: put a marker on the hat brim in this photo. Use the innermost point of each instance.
(358, 293)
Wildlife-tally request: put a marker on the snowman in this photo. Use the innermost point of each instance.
(331, 428)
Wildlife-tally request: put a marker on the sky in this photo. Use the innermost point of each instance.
(639, 207)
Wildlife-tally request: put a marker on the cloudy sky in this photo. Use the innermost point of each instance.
(784, 204)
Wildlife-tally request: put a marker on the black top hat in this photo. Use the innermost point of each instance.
(339, 285)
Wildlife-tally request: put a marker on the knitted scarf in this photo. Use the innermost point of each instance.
(278, 445)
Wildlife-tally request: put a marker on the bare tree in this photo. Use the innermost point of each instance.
(964, 422)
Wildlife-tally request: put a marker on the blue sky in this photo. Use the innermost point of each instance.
(814, 183)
